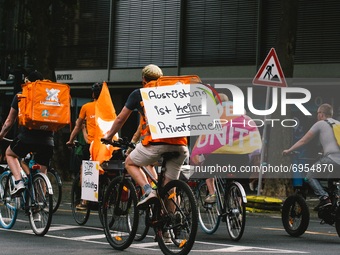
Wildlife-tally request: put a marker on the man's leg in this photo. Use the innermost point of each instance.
(13, 163)
(138, 176)
(316, 186)
(135, 172)
(211, 198)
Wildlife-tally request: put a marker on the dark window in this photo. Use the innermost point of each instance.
(220, 33)
(83, 40)
(146, 32)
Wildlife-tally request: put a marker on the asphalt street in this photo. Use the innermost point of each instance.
(264, 234)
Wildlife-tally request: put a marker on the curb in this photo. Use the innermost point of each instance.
(264, 204)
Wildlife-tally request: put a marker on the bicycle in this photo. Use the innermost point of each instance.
(36, 200)
(230, 207)
(295, 211)
(81, 215)
(143, 227)
(55, 182)
(174, 212)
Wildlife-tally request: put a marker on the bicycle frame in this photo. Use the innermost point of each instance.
(219, 185)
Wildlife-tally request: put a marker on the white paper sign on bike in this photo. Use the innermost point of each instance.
(181, 110)
(89, 182)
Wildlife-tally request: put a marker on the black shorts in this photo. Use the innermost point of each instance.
(43, 155)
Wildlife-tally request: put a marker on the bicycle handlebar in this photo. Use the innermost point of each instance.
(293, 153)
(122, 143)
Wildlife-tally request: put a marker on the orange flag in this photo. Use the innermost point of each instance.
(105, 116)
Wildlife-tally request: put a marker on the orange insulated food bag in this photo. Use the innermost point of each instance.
(44, 105)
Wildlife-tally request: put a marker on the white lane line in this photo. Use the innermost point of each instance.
(81, 238)
(307, 232)
(62, 227)
(144, 245)
(236, 248)
(147, 246)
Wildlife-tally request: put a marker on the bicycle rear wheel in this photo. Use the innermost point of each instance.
(143, 226)
(181, 221)
(236, 212)
(41, 210)
(56, 186)
(80, 215)
(8, 204)
(208, 214)
(120, 213)
(295, 215)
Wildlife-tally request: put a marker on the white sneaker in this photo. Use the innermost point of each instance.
(18, 189)
(166, 237)
(147, 200)
(251, 186)
(36, 217)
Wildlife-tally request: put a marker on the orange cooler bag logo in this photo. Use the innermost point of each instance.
(44, 105)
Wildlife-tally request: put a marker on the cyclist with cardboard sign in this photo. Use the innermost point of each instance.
(150, 150)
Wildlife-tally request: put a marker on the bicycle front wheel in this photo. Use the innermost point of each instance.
(41, 206)
(120, 213)
(295, 215)
(80, 214)
(179, 218)
(236, 212)
(56, 186)
(208, 214)
(8, 204)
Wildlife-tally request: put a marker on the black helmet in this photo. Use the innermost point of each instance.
(96, 89)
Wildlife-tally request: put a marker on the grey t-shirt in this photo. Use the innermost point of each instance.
(327, 139)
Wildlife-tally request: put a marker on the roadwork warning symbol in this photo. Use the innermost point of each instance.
(270, 73)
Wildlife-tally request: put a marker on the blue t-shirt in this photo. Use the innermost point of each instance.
(134, 100)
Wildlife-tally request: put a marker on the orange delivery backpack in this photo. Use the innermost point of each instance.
(44, 105)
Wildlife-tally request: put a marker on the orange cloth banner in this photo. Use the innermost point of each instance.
(105, 116)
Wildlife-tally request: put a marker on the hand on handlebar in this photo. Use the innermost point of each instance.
(285, 153)
(70, 144)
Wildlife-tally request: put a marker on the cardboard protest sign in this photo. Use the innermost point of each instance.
(181, 110)
(89, 182)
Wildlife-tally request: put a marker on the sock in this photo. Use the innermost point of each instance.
(147, 188)
(17, 182)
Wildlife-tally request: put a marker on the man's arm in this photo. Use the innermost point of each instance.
(12, 116)
(85, 133)
(118, 123)
(76, 130)
(136, 136)
(302, 142)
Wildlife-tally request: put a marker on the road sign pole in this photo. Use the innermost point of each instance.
(263, 144)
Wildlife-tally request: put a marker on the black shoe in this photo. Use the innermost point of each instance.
(323, 203)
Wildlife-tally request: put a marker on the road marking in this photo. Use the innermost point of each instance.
(80, 238)
(62, 227)
(307, 232)
(241, 248)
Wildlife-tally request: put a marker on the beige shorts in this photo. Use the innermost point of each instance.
(146, 155)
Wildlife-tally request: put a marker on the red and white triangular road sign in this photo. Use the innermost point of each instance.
(270, 73)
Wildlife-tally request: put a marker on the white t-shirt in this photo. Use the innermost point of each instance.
(327, 139)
